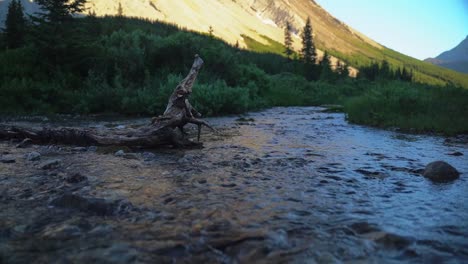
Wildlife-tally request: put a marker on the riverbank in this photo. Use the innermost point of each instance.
(281, 185)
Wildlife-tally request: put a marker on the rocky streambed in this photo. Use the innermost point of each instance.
(283, 185)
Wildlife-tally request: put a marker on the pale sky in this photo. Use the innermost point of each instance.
(418, 28)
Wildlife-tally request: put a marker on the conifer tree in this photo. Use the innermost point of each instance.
(56, 35)
(120, 11)
(59, 11)
(344, 70)
(288, 40)
(326, 71)
(210, 31)
(308, 52)
(15, 25)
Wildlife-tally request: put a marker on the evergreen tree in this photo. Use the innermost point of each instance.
(15, 25)
(210, 31)
(120, 11)
(308, 52)
(59, 11)
(288, 40)
(56, 34)
(344, 71)
(384, 71)
(326, 72)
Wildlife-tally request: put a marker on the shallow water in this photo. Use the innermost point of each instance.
(294, 185)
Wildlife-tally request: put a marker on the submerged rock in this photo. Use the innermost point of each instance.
(75, 178)
(7, 159)
(95, 206)
(440, 171)
(62, 232)
(119, 153)
(50, 164)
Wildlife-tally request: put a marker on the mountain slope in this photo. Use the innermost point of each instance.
(455, 59)
(263, 21)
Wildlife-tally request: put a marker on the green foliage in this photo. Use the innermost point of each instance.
(383, 71)
(308, 52)
(131, 66)
(271, 46)
(288, 50)
(15, 25)
(411, 107)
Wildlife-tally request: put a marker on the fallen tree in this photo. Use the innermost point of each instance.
(167, 129)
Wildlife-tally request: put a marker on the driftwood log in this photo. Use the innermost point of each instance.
(166, 129)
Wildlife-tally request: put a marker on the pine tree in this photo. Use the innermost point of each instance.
(288, 40)
(326, 71)
(56, 35)
(210, 31)
(59, 11)
(344, 70)
(120, 11)
(15, 25)
(308, 52)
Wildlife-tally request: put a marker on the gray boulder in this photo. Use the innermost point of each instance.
(440, 171)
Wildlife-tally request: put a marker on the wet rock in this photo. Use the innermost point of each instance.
(130, 156)
(95, 206)
(117, 253)
(62, 232)
(75, 178)
(79, 149)
(32, 156)
(277, 239)
(20, 228)
(187, 158)
(101, 230)
(92, 148)
(363, 227)
(119, 153)
(456, 153)
(25, 143)
(50, 164)
(440, 171)
(147, 156)
(389, 240)
(7, 159)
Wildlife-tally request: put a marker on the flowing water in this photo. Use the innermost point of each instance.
(289, 185)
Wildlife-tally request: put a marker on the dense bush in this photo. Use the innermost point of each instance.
(411, 107)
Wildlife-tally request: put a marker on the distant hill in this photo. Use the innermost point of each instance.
(255, 25)
(455, 59)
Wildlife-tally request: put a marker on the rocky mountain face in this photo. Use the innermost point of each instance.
(264, 21)
(455, 59)
(230, 19)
